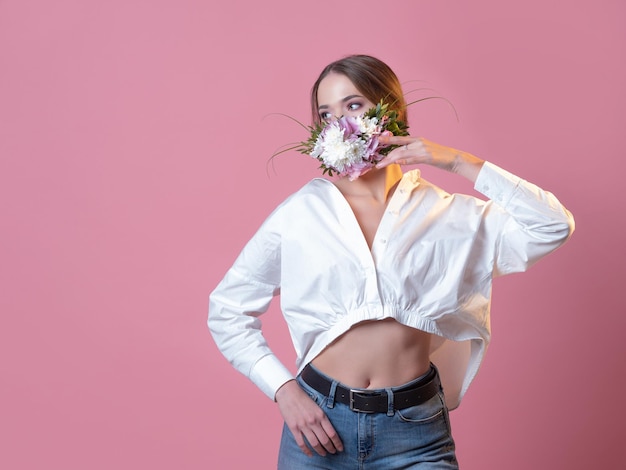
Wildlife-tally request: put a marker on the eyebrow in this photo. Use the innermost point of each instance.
(347, 98)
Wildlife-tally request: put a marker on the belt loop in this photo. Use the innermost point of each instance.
(390, 408)
(331, 394)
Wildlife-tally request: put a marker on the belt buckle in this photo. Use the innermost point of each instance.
(361, 392)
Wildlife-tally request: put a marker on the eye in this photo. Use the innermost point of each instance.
(325, 115)
(354, 106)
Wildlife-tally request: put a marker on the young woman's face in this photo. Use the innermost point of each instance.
(337, 96)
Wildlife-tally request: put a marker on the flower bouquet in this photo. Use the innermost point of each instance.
(350, 146)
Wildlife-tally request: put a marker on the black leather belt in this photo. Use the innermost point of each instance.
(375, 401)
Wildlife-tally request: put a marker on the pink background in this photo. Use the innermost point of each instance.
(133, 151)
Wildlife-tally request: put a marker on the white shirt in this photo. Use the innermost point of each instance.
(430, 267)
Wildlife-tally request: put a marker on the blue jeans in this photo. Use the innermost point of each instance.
(418, 437)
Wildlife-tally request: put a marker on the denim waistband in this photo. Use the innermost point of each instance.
(382, 400)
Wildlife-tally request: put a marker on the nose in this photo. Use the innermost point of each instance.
(336, 114)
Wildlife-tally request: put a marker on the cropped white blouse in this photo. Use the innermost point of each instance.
(430, 267)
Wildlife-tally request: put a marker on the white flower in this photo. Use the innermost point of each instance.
(367, 126)
(334, 134)
(318, 149)
(341, 154)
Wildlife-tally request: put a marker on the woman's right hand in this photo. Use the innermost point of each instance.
(418, 150)
(307, 420)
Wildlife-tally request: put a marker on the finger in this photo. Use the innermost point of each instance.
(396, 139)
(301, 443)
(332, 434)
(398, 156)
(314, 442)
(384, 162)
(323, 438)
(326, 441)
(326, 444)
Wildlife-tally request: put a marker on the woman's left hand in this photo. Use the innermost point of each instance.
(417, 150)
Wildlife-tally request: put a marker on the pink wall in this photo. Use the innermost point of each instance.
(133, 152)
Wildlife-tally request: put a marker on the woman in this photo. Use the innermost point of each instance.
(385, 283)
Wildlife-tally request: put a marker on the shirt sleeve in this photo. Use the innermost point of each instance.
(237, 303)
(531, 222)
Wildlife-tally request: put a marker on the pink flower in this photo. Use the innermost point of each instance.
(357, 169)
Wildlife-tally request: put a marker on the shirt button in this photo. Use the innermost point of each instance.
(383, 241)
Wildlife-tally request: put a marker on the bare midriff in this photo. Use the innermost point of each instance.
(376, 354)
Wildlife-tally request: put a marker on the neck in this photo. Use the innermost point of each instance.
(377, 183)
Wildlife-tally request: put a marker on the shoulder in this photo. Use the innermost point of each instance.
(315, 189)
(420, 187)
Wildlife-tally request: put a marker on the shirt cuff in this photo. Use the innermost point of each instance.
(496, 183)
(269, 374)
